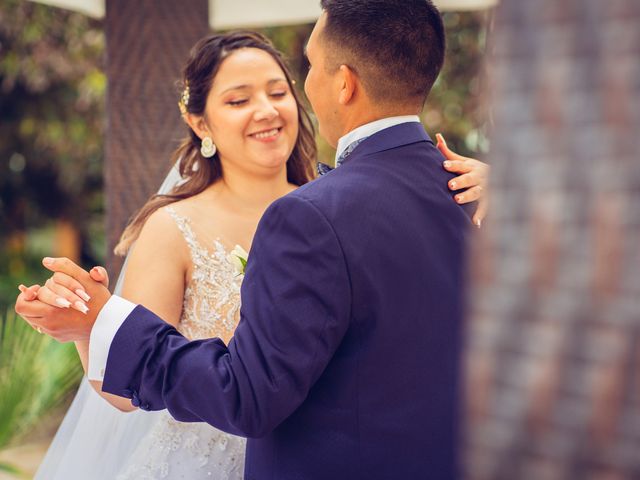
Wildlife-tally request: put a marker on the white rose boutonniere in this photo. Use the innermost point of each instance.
(238, 258)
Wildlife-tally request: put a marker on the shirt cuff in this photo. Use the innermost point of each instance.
(109, 320)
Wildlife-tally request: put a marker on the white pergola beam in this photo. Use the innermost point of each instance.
(227, 14)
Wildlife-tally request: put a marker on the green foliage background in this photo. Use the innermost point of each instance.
(52, 90)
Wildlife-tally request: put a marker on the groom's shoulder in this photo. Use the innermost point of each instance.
(310, 202)
(325, 190)
(308, 196)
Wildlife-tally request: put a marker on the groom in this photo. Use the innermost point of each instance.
(346, 360)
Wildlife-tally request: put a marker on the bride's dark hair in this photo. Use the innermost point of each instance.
(204, 62)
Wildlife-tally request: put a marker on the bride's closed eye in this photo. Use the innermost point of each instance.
(278, 94)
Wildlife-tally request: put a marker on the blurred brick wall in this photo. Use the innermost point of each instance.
(148, 42)
(553, 355)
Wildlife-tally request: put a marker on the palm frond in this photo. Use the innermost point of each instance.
(10, 469)
(36, 373)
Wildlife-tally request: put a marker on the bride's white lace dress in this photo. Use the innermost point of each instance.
(167, 449)
(211, 308)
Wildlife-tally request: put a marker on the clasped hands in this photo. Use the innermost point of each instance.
(67, 306)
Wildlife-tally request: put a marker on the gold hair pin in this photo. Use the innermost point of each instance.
(184, 100)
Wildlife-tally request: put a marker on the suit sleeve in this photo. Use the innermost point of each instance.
(296, 309)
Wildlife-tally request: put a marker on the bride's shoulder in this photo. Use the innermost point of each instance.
(192, 207)
(159, 238)
(162, 229)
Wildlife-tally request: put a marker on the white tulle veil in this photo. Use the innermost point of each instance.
(95, 440)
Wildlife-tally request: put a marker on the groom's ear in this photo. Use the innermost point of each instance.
(349, 83)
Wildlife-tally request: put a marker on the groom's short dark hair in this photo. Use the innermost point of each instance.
(396, 47)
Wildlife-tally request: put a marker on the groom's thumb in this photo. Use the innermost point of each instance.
(99, 274)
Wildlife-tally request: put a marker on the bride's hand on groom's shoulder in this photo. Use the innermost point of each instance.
(473, 179)
(66, 307)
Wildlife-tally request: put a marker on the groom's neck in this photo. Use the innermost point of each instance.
(357, 115)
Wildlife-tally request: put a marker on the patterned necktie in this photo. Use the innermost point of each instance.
(323, 168)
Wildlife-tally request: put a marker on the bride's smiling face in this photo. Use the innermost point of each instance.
(251, 113)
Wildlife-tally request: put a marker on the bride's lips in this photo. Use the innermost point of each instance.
(267, 135)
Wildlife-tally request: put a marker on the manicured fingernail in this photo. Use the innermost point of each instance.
(97, 271)
(478, 223)
(453, 185)
(83, 295)
(63, 302)
(81, 307)
(47, 261)
(447, 164)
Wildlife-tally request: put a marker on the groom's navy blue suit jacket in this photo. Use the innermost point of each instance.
(346, 360)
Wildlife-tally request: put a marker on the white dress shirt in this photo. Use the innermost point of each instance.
(109, 320)
(369, 129)
(117, 309)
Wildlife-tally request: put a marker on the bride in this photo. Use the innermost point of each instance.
(250, 142)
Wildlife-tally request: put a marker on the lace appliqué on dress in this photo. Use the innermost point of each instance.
(212, 297)
(211, 308)
(176, 450)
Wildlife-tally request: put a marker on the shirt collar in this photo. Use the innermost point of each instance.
(369, 129)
